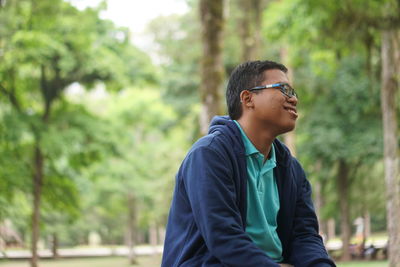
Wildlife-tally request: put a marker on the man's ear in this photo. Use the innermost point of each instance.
(246, 98)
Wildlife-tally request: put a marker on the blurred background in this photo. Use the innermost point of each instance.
(100, 101)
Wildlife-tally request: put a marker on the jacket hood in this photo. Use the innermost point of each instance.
(225, 125)
(228, 128)
(219, 123)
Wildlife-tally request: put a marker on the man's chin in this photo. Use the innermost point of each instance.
(288, 128)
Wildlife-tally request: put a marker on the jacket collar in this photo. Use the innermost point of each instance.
(228, 127)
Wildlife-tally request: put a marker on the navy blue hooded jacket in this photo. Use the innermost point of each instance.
(207, 220)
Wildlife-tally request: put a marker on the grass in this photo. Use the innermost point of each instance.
(89, 262)
(363, 263)
(143, 262)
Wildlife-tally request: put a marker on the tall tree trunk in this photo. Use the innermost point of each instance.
(258, 8)
(212, 72)
(161, 234)
(366, 228)
(54, 245)
(2, 240)
(319, 200)
(323, 224)
(249, 25)
(390, 85)
(131, 228)
(38, 165)
(244, 26)
(343, 185)
(318, 206)
(37, 194)
(153, 237)
(331, 231)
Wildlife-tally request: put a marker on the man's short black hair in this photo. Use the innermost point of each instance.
(245, 76)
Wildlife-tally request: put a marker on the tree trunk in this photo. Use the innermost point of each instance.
(318, 206)
(331, 231)
(323, 224)
(37, 194)
(319, 200)
(249, 26)
(131, 228)
(161, 234)
(343, 185)
(54, 245)
(38, 164)
(390, 85)
(366, 229)
(258, 8)
(244, 26)
(212, 21)
(367, 225)
(153, 237)
(2, 240)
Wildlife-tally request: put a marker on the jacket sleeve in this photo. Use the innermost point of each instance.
(307, 248)
(211, 191)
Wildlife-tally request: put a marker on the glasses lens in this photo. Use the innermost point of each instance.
(289, 91)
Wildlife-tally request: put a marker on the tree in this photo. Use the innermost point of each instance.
(249, 25)
(349, 27)
(389, 92)
(212, 21)
(46, 47)
(382, 17)
(180, 72)
(129, 185)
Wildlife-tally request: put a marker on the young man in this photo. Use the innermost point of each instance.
(240, 198)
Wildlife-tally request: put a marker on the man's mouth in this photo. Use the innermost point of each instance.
(292, 110)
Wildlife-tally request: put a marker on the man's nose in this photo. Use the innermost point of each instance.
(292, 100)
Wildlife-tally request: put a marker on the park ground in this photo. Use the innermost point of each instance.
(144, 261)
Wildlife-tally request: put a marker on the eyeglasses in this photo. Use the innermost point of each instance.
(285, 88)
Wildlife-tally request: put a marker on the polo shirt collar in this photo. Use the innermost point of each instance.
(250, 149)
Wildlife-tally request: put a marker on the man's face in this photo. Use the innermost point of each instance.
(272, 108)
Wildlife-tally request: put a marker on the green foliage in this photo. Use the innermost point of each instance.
(71, 44)
(334, 52)
(99, 152)
(14, 161)
(178, 49)
(44, 48)
(348, 108)
(147, 148)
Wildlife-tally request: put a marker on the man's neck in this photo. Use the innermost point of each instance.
(260, 137)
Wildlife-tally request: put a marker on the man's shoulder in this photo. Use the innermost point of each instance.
(212, 151)
(215, 141)
(214, 148)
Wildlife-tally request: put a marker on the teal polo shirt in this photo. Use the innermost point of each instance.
(262, 200)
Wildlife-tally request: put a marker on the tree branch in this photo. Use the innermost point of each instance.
(12, 97)
(46, 92)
